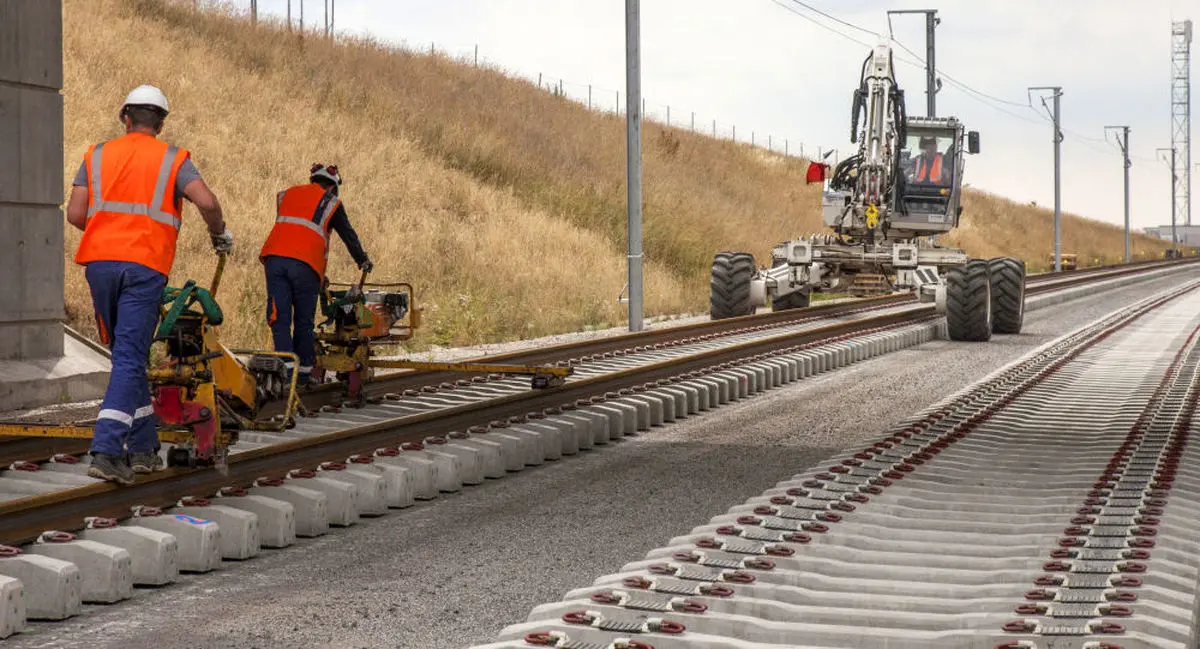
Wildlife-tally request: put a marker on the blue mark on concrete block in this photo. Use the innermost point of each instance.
(194, 521)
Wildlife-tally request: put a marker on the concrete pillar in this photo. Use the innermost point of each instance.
(31, 180)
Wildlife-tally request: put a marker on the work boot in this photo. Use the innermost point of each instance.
(146, 462)
(110, 468)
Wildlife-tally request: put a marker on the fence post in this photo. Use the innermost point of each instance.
(770, 146)
(476, 55)
(539, 81)
(785, 147)
(668, 115)
(734, 127)
(751, 138)
(589, 96)
(714, 128)
(618, 102)
(693, 121)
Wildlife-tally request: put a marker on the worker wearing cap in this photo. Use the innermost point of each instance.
(295, 255)
(929, 169)
(127, 199)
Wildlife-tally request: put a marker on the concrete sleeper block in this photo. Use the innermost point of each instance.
(310, 506)
(276, 518)
(12, 606)
(199, 538)
(239, 528)
(106, 571)
(52, 586)
(155, 554)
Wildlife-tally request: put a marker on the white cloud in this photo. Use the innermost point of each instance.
(753, 64)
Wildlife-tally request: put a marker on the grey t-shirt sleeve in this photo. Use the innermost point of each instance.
(187, 174)
(81, 176)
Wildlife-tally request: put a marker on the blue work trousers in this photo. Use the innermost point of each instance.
(292, 291)
(126, 297)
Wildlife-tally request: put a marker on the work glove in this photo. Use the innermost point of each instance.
(222, 243)
(367, 266)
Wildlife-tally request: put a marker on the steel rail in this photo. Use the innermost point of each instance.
(36, 448)
(22, 520)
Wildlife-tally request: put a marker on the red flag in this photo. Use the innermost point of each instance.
(816, 172)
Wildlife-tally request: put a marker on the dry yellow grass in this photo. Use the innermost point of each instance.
(502, 204)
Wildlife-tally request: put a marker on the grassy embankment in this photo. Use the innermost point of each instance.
(503, 204)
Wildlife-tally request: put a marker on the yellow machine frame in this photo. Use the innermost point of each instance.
(345, 348)
(202, 400)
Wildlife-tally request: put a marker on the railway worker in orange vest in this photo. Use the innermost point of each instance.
(294, 257)
(127, 199)
(929, 169)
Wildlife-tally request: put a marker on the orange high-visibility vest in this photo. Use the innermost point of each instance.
(302, 216)
(132, 214)
(929, 173)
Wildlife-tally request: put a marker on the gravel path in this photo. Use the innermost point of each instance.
(451, 573)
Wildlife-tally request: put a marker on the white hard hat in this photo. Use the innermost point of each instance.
(146, 96)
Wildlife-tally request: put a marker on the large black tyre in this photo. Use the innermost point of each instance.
(1008, 294)
(796, 300)
(729, 294)
(969, 302)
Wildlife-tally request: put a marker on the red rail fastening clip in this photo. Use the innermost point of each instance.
(829, 517)
(715, 590)
(1021, 644)
(640, 583)
(738, 577)
(606, 597)
(1116, 610)
(1056, 566)
(842, 505)
(194, 501)
(1131, 566)
(1136, 554)
(749, 520)
(781, 500)
(64, 458)
(1121, 596)
(56, 536)
(268, 482)
(765, 510)
(1144, 531)
(360, 459)
(1107, 627)
(99, 523)
(1030, 609)
(1142, 543)
(302, 474)
(1019, 626)
(1040, 595)
(231, 492)
(24, 466)
(1125, 582)
(332, 466)
(9, 551)
(690, 606)
(779, 551)
(759, 564)
(816, 527)
(541, 639)
(145, 510)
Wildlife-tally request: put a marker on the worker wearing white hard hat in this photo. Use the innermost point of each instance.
(127, 199)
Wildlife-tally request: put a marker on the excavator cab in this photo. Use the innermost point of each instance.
(929, 176)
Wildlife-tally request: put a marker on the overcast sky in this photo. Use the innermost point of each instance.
(789, 72)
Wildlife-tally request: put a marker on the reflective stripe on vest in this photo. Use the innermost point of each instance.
(317, 222)
(153, 210)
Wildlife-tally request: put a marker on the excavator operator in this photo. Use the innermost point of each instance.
(930, 168)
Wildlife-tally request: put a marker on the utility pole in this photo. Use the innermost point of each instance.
(1058, 138)
(253, 12)
(932, 83)
(633, 158)
(1123, 141)
(1174, 237)
(289, 14)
